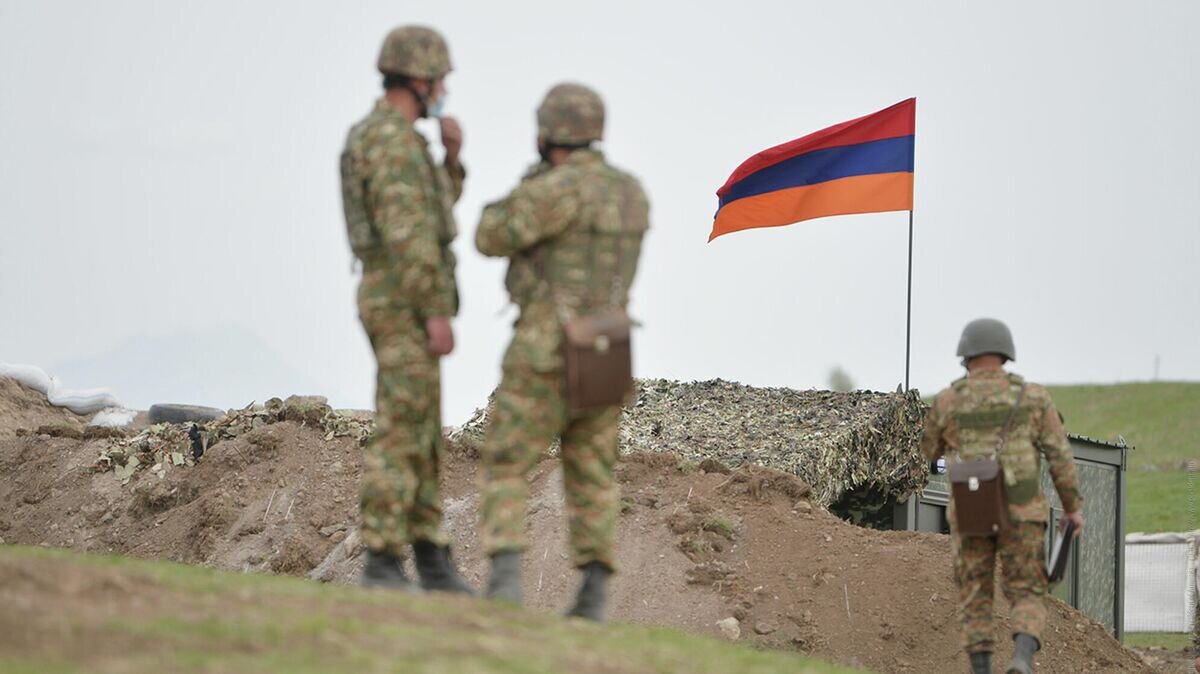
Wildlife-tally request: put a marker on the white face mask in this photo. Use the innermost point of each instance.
(434, 109)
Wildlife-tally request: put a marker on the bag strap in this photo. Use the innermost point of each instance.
(618, 282)
(1009, 422)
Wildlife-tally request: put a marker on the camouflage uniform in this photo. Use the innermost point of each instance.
(964, 423)
(569, 232)
(398, 207)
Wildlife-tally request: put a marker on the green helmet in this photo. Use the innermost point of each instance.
(415, 51)
(986, 335)
(571, 114)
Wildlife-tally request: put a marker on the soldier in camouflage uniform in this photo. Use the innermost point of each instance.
(965, 423)
(572, 230)
(398, 206)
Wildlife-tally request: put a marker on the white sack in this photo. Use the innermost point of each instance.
(81, 401)
(113, 418)
(29, 375)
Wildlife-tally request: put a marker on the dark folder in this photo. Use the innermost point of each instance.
(1061, 552)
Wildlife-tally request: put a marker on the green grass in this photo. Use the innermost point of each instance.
(126, 615)
(1162, 501)
(1171, 642)
(1160, 419)
(720, 525)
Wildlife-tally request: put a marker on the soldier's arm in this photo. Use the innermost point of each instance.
(1052, 442)
(637, 216)
(446, 300)
(401, 211)
(933, 444)
(452, 140)
(458, 176)
(538, 209)
(352, 200)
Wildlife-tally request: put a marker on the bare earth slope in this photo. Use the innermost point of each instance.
(699, 543)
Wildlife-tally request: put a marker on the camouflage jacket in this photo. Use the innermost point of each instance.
(573, 235)
(965, 422)
(399, 215)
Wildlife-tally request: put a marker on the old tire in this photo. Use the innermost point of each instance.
(182, 414)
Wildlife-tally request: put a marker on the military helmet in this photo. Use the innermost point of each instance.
(415, 51)
(986, 335)
(571, 114)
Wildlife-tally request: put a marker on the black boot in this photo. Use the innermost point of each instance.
(505, 581)
(436, 570)
(1024, 646)
(981, 663)
(593, 591)
(384, 569)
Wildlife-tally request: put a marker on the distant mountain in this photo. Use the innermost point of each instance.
(222, 367)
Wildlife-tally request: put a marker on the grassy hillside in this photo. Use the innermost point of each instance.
(1163, 501)
(1162, 420)
(64, 612)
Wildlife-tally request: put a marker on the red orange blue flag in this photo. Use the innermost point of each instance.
(864, 165)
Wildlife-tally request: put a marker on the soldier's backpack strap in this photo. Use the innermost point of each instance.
(1009, 422)
(618, 282)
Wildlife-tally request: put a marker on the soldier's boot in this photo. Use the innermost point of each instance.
(436, 569)
(981, 663)
(593, 592)
(1024, 646)
(384, 569)
(505, 581)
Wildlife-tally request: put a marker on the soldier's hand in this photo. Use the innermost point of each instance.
(452, 138)
(1076, 518)
(441, 335)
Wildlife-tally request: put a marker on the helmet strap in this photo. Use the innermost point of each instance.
(423, 99)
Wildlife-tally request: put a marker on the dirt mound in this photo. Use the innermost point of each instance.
(699, 543)
(273, 497)
(24, 408)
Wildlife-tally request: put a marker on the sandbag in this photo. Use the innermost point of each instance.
(29, 376)
(80, 401)
(113, 418)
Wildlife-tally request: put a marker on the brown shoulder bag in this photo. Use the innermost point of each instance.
(980, 503)
(599, 361)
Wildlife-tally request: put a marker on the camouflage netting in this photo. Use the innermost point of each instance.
(857, 450)
(166, 445)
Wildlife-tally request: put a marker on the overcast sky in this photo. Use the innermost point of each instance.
(171, 168)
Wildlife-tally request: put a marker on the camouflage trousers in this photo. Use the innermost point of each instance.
(400, 501)
(1021, 552)
(530, 412)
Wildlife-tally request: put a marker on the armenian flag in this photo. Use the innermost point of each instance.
(864, 165)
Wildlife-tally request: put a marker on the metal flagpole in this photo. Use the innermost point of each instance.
(908, 317)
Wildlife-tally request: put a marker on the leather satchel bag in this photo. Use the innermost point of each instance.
(599, 360)
(980, 503)
(980, 507)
